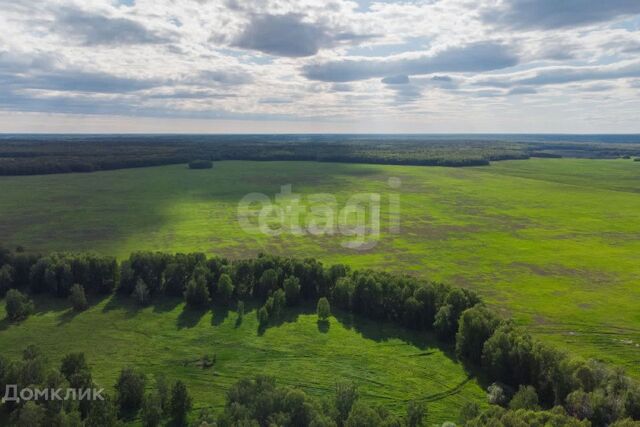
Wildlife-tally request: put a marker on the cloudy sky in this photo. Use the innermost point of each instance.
(320, 66)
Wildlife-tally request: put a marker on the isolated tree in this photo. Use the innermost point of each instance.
(415, 414)
(18, 305)
(323, 309)
(180, 403)
(225, 288)
(130, 390)
(141, 293)
(78, 298)
(6, 279)
(292, 290)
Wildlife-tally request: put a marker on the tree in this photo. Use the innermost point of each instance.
(6, 279)
(268, 282)
(103, 413)
(151, 410)
(292, 290)
(323, 309)
(279, 300)
(180, 402)
(78, 298)
(476, 326)
(18, 305)
(415, 414)
(346, 396)
(362, 415)
(525, 398)
(31, 415)
(130, 390)
(225, 288)
(72, 364)
(197, 293)
(141, 293)
(342, 293)
(445, 323)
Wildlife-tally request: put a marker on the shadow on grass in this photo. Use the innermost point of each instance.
(323, 326)
(190, 316)
(124, 303)
(220, 313)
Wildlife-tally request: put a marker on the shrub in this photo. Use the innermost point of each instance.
(323, 309)
(78, 298)
(18, 305)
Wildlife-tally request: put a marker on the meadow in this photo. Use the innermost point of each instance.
(552, 242)
(391, 365)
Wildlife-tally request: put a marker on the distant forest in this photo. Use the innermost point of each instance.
(47, 154)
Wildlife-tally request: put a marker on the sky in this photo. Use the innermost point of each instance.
(335, 66)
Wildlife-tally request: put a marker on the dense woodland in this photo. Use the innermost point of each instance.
(526, 379)
(31, 155)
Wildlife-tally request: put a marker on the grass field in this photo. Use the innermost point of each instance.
(390, 365)
(553, 242)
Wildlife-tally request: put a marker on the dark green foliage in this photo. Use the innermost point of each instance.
(180, 403)
(346, 395)
(279, 302)
(18, 305)
(362, 415)
(78, 298)
(6, 279)
(197, 293)
(151, 410)
(263, 316)
(31, 414)
(73, 364)
(323, 309)
(292, 290)
(103, 413)
(141, 293)
(525, 398)
(225, 288)
(268, 283)
(416, 412)
(476, 326)
(200, 164)
(130, 390)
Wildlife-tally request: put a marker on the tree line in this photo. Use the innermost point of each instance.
(518, 367)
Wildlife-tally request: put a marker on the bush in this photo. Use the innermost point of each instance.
(18, 305)
(525, 398)
(78, 298)
(323, 309)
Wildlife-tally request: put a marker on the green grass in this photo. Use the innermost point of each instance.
(390, 365)
(553, 242)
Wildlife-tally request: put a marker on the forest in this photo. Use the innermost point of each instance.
(49, 154)
(526, 379)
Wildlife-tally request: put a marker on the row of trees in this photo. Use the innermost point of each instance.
(507, 355)
(126, 401)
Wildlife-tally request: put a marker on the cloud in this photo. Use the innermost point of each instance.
(562, 75)
(288, 35)
(400, 79)
(476, 57)
(554, 14)
(94, 29)
(524, 90)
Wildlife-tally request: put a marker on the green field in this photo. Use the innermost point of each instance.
(553, 242)
(390, 365)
